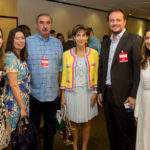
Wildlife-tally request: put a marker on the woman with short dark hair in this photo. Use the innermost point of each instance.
(79, 84)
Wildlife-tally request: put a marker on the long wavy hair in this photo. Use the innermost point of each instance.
(10, 44)
(145, 53)
(1, 54)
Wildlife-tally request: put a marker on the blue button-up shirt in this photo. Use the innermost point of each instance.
(113, 47)
(94, 43)
(44, 79)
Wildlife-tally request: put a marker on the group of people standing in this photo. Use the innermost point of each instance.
(82, 78)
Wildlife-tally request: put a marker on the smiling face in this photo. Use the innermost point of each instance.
(1, 39)
(117, 22)
(81, 38)
(19, 41)
(147, 40)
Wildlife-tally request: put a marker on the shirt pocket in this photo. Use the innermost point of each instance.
(93, 66)
(68, 67)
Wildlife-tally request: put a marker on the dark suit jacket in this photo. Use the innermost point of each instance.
(68, 45)
(124, 75)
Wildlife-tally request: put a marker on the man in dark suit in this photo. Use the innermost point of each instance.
(70, 43)
(118, 82)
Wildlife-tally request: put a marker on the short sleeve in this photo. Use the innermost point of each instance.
(11, 64)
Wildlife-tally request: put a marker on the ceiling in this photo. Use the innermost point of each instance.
(135, 8)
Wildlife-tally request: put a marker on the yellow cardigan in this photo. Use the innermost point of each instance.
(68, 72)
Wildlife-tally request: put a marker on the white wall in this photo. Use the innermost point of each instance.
(64, 17)
(136, 26)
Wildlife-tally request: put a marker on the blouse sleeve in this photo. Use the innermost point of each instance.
(96, 69)
(11, 64)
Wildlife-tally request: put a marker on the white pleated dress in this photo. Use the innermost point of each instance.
(142, 111)
(78, 101)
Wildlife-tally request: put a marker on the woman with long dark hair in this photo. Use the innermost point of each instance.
(17, 77)
(142, 107)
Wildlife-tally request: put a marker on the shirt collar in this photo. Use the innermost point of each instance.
(119, 35)
(41, 38)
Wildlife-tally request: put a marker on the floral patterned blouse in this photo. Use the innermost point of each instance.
(13, 64)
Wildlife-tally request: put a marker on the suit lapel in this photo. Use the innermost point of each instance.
(120, 46)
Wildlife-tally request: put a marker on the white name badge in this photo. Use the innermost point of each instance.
(123, 57)
(44, 62)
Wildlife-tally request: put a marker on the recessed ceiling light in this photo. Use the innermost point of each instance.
(130, 14)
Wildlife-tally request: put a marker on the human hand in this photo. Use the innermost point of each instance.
(93, 99)
(63, 101)
(23, 113)
(131, 101)
(136, 118)
(100, 100)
